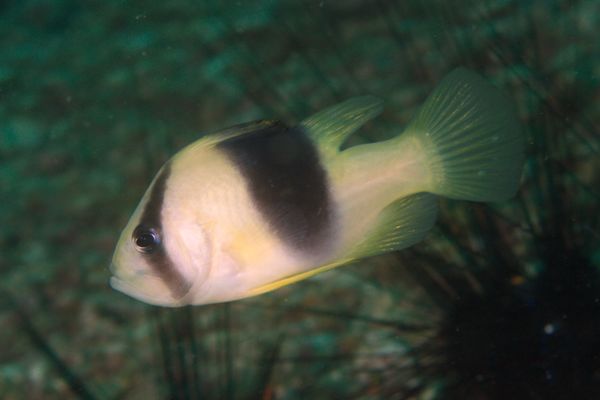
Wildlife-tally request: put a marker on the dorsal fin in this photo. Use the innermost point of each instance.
(214, 138)
(331, 127)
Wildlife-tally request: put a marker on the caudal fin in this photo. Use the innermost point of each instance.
(472, 139)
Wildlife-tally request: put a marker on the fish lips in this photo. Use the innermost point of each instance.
(148, 288)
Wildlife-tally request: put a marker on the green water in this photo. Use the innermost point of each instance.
(500, 301)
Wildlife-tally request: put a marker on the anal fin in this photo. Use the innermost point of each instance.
(399, 225)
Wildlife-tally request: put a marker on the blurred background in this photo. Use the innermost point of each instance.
(501, 301)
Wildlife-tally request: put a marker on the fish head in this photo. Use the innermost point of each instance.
(163, 255)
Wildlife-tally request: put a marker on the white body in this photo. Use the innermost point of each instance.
(464, 143)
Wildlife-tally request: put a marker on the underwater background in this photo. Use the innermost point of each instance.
(500, 301)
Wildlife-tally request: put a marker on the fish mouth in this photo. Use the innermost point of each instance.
(148, 285)
(117, 284)
(147, 288)
(112, 268)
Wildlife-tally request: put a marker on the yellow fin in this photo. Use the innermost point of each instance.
(298, 277)
(399, 225)
(472, 138)
(214, 138)
(330, 127)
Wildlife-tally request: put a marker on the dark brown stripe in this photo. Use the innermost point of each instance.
(287, 183)
(158, 258)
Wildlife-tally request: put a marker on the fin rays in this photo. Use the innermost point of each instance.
(332, 126)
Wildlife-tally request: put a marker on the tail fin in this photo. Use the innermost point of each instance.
(472, 139)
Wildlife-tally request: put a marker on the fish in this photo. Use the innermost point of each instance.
(261, 205)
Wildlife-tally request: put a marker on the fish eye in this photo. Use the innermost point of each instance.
(146, 239)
